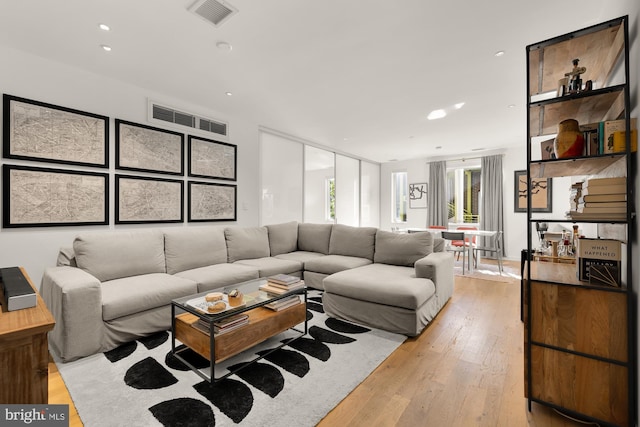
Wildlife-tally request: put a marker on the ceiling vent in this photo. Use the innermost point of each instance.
(166, 114)
(214, 11)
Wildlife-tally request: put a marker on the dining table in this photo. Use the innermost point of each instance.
(467, 232)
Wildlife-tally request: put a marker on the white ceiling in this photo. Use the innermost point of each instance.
(360, 76)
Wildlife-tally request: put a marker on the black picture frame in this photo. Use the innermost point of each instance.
(212, 159)
(42, 132)
(142, 199)
(211, 202)
(541, 189)
(148, 149)
(45, 197)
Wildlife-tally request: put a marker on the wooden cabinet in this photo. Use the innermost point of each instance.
(580, 337)
(24, 354)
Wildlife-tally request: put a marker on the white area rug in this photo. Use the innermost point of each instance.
(297, 386)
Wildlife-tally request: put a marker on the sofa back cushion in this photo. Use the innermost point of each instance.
(113, 255)
(314, 237)
(194, 247)
(352, 241)
(438, 244)
(246, 243)
(283, 238)
(402, 249)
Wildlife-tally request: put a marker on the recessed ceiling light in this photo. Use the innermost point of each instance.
(439, 147)
(477, 149)
(512, 105)
(459, 105)
(105, 47)
(436, 114)
(499, 53)
(104, 27)
(228, 93)
(222, 45)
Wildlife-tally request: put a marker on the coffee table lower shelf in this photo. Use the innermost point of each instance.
(263, 324)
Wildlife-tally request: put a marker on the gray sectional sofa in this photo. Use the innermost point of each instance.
(112, 287)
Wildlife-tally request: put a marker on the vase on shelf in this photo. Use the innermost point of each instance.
(569, 142)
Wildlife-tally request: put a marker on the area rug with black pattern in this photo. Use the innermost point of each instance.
(142, 384)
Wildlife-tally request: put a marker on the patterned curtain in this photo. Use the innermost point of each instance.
(492, 214)
(437, 210)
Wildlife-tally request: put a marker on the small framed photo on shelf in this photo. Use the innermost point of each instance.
(149, 149)
(142, 199)
(541, 191)
(211, 202)
(212, 159)
(38, 131)
(546, 149)
(418, 196)
(42, 197)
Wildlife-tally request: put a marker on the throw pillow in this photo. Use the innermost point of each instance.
(283, 238)
(402, 249)
(314, 237)
(246, 243)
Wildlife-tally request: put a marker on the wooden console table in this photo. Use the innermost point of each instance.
(24, 353)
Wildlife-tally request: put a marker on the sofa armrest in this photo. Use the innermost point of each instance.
(437, 266)
(74, 297)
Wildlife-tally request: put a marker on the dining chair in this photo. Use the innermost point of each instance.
(469, 242)
(494, 246)
(437, 227)
(452, 236)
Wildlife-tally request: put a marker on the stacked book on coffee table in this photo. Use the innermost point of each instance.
(222, 326)
(281, 284)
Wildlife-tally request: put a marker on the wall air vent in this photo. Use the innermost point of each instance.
(214, 11)
(171, 115)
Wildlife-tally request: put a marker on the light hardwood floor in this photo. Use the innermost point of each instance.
(465, 369)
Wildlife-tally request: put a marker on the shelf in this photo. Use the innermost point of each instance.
(573, 166)
(563, 274)
(598, 51)
(586, 107)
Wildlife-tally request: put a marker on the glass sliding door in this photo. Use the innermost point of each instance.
(369, 194)
(282, 171)
(347, 190)
(319, 185)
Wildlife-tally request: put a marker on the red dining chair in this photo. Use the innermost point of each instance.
(437, 227)
(469, 242)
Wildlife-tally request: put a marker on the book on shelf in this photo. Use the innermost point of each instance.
(225, 325)
(284, 303)
(593, 182)
(274, 290)
(602, 205)
(620, 141)
(599, 252)
(605, 189)
(602, 209)
(283, 279)
(609, 128)
(574, 215)
(603, 198)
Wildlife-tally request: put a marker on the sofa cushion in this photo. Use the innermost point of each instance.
(113, 255)
(270, 266)
(402, 249)
(382, 284)
(352, 241)
(314, 237)
(193, 247)
(300, 256)
(333, 263)
(283, 238)
(66, 257)
(246, 243)
(219, 275)
(438, 244)
(129, 295)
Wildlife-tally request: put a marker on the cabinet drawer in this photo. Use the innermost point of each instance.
(580, 319)
(592, 387)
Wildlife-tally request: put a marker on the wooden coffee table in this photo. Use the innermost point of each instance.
(263, 324)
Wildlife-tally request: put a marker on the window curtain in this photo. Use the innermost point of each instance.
(492, 215)
(437, 211)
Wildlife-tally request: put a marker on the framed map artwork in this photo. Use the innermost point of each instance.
(142, 199)
(212, 159)
(211, 202)
(34, 130)
(145, 148)
(41, 197)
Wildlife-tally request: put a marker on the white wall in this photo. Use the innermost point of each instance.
(32, 77)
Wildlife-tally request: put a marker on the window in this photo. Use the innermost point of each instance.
(330, 199)
(463, 192)
(399, 192)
